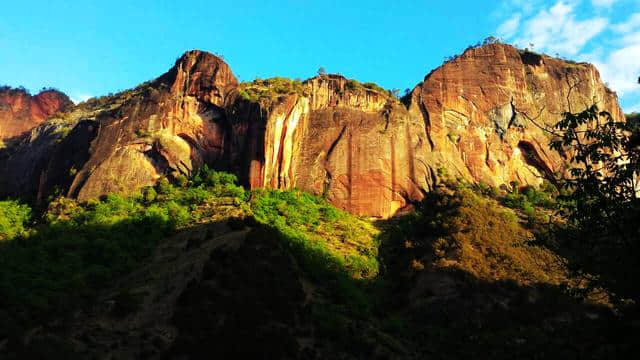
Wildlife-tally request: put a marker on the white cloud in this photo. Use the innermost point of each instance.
(602, 3)
(629, 25)
(562, 27)
(78, 98)
(525, 7)
(621, 69)
(508, 28)
(556, 30)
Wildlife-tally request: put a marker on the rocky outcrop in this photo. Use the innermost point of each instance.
(21, 112)
(489, 112)
(358, 147)
(483, 116)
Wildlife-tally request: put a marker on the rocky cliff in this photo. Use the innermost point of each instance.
(483, 116)
(489, 112)
(21, 112)
(357, 146)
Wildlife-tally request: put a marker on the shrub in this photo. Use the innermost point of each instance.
(328, 241)
(209, 177)
(469, 232)
(149, 194)
(270, 89)
(182, 181)
(14, 218)
(164, 186)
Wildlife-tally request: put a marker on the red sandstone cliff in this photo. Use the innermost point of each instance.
(168, 127)
(486, 112)
(479, 117)
(21, 112)
(358, 147)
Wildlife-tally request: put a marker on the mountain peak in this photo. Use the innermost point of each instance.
(21, 111)
(201, 74)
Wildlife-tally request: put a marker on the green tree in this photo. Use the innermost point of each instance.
(601, 201)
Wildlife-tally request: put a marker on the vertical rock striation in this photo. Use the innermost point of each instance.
(358, 147)
(483, 116)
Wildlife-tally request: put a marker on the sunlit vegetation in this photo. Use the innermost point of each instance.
(14, 219)
(537, 204)
(76, 249)
(473, 233)
(278, 88)
(270, 89)
(355, 85)
(321, 235)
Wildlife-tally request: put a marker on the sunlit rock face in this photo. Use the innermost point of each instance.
(486, 112)
(170, 127)
(21, 112)
(357, 147)
(481, 117)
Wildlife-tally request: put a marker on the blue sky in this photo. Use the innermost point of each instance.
(89, 48)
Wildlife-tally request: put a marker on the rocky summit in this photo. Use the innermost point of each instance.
(20, 112)
(483, 116)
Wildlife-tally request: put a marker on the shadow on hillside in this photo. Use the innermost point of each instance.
(451, 314)
(57, 282)
(257, 301)
(445, 311)
(251, 298)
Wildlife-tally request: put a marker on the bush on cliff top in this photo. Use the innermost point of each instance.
(270, 89)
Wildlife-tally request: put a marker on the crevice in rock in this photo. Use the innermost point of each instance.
(326, 185)
(427, 124)
(386, 113)
(514, 116)
(487, 157)
(530, 58)
(349, 168)
(335, 143)
(533, 159)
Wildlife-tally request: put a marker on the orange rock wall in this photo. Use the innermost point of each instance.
(21, 112)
